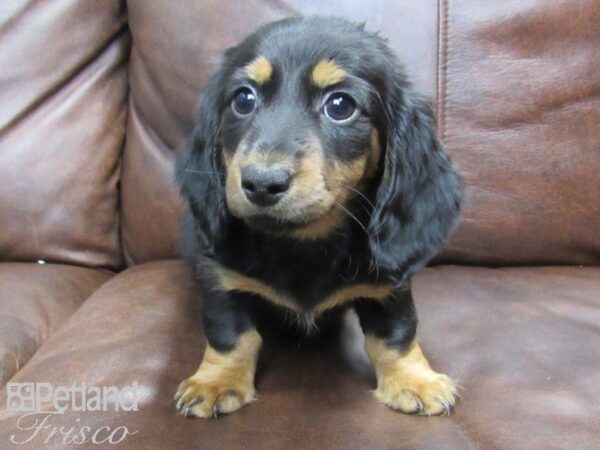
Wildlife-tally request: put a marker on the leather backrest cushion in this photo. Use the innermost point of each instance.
(176, 46)
(519, 110)
(517, 88)
(63, 89)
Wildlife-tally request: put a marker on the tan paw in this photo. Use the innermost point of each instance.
(425, 393)
(223, 383)
(211, 399)
(406, 382)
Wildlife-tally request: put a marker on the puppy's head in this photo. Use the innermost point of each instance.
(297, 135)
(303, 117)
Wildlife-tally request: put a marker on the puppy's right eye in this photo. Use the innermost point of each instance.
(340, 107)
(244, 101)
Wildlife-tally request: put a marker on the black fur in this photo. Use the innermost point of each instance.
(404, 214)
(419, 196)
(200, 175)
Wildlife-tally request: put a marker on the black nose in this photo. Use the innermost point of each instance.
(265, 186)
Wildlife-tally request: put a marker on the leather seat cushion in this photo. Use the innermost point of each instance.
(521, 341)
(35, 299)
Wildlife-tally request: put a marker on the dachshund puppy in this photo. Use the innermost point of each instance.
(315, 183)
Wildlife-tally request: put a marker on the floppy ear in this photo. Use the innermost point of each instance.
(199, 171)
(419, 196)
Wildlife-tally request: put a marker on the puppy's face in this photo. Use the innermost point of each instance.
(304, 115)
(298, 131)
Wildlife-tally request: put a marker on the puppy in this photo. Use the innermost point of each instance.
(315, 183)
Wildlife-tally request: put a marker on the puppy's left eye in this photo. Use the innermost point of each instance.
(244, 101)
(340, 107)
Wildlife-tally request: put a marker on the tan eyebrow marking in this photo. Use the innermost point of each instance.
(260, 70)
(326, 72)
(375, 155)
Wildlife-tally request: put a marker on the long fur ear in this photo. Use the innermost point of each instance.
(200, 174)
(419, 196)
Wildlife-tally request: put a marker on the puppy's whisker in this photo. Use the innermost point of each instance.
(361, 194)
(368, 208)
(204, 196)
(352, 216)
(204, 171)
(374, 266)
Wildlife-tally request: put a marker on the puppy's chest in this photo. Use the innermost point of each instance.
(310, 286)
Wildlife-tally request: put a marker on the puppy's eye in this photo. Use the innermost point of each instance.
(340, 107)
(244, 101)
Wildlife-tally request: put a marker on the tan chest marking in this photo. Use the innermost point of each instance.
(352, 292)
(234, 281)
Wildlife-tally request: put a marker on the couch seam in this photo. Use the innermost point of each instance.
(119, 210)
(51, 333)
(134, 109)
(443, 7)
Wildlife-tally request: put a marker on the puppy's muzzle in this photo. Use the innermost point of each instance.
(265, 186)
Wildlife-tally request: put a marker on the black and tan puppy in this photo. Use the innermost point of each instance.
(315, 183)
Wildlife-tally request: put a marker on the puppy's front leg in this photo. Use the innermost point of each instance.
(224, 382)
(405, 380)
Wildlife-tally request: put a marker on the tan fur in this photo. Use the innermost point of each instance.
(260, 70)
(326, 73)
(309, 177)
(233, 182)
(352, 292)
(226, 157)
(375, 156)
(237, 202)
(307, 198)
(322, 227)
(406, 382)
(342, 182)
(344, 175)
(233, 188)
(224, 382)
(319, 192)
(309, 184)
(233, 281)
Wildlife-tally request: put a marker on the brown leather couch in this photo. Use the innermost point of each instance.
(95, 98)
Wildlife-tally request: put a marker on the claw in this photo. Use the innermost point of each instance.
(448, 408)
(206, 400)
(188, 409)
(420, 408)
(195, 402)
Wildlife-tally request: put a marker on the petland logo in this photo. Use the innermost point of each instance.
(41, 402)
